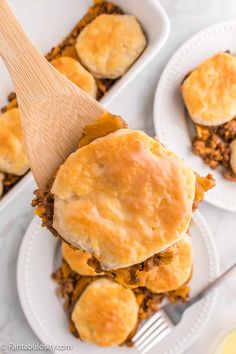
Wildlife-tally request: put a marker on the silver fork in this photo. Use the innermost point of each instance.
(160, 324)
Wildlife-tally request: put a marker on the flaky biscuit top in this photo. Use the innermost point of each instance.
(209, 91)
(110, 44)
(123, 198)
(76, 73)
(106, 313)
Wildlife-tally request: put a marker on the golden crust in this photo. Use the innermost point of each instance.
(110, 44)
(209, 92)
(123, 198)
(165, 277)
(106, 313)
(13, 158)
(174, 274)
(76, 73)
(77, 260)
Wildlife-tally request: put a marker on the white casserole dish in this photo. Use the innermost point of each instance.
(47, 23)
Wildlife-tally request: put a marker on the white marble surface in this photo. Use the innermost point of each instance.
(135, 104)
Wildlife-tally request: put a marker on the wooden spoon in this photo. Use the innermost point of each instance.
(53, 110)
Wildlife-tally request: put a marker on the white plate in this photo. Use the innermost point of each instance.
(50, 21)
(44, 312)
(169, 115)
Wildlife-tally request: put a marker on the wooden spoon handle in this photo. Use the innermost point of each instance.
(28, 69)
(53, 110)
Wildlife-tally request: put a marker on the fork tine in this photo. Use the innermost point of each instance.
(161, 335)
(153, 326)
(146, 325)
(155, 333)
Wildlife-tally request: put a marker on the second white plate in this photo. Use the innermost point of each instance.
(170, 121)
(44, 310)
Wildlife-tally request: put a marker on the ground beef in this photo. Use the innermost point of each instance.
(94, 263)
(213, 145)
(156, 260)
(149, 303)
(9, 181)
(44, 201)
(67, 47)
(71, 286)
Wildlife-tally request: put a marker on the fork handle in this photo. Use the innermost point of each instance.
(215, 283)
(180, 308)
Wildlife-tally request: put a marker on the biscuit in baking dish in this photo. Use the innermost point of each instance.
(123, 198)
(105, 313)
(110, 44)
(13, 158)
(164, 277)
(77, 260)
(209, 92)
(76, 73)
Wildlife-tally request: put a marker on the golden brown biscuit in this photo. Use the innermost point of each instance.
(209, 92)
(110, 44)
(76, 73)
(13, 158)
(174, 274)
(105, 313)
(1, 183)
(77, 260)
(171, 276)
(164, 277)
(123, 198)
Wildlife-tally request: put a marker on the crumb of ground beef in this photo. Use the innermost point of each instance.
(9, 181)
(44, 201)
(156, 260)
(180, 294)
